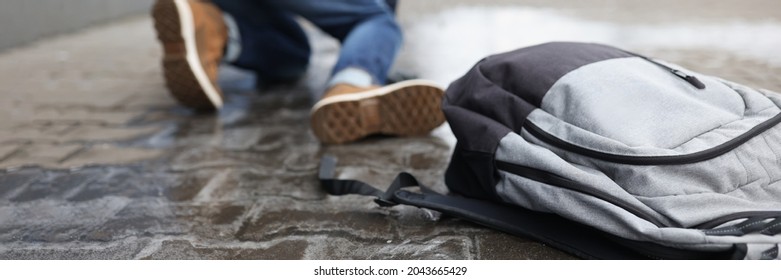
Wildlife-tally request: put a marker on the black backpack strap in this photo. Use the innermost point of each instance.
(570, 237)
(345, 187)
(577, 239)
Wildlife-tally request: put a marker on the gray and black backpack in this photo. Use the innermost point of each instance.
(607, 154)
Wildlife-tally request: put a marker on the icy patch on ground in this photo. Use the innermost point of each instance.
(443, 47)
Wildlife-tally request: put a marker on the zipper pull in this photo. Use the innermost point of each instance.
(689, 78)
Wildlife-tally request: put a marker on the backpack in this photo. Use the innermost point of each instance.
(606, 154)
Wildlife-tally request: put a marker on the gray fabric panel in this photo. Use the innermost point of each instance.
(530, 72)
(591, 211)
(628, 106)
(674, 118)
(688, 210)
(774, 96)
(738, 173)
(703, 141)
(696, 193)
(572, 205)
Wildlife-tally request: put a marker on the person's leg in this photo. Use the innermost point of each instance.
(368, 32)
(271, 43)
(356, 103)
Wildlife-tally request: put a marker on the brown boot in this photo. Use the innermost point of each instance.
(347, 113)
(193, 36)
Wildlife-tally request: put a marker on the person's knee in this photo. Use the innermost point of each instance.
(390, 24)
(394, 25)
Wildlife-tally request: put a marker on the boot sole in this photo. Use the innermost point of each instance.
(403, 109)
(184, 74)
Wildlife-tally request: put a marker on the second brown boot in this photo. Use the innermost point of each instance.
(347, 113)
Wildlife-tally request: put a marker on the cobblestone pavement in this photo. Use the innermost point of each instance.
(97, 162)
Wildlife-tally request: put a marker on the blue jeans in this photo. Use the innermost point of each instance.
(275, 46)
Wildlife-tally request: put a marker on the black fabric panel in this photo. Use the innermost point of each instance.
(480, 113)
(469, 108)
(566, 235)
(770, 254)
(531, 72)
(472, 174)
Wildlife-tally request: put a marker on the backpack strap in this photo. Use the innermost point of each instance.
(345, 187)
(574, 238)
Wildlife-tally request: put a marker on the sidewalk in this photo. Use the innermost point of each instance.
(98, 162)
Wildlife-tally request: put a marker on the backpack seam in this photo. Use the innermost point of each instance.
(721, 193)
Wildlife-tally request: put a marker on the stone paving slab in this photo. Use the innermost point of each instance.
(98, 162)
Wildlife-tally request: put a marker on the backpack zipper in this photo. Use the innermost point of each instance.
(703, 155)
(680, 74)
(565, 183)
(740, 215)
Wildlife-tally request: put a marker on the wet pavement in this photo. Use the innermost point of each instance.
(97, 162)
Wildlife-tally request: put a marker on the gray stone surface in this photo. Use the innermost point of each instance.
(98, 162)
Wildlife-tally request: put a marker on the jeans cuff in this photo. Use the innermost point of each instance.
(233, 46)
(353, 76)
